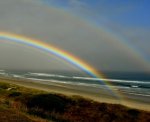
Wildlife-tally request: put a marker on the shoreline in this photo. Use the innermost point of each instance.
(98, 95)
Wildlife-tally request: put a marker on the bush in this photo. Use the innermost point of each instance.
(133, 112)
(48, 102)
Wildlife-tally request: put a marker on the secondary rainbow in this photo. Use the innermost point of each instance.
(59, 53)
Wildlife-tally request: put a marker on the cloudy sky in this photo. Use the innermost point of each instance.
(110, 35)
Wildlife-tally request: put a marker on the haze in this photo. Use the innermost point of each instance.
(109, 37)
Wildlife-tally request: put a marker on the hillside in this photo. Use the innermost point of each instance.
(20, 104)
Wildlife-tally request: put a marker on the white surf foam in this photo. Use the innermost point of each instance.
(2, 73)
(18, 76)
(47, 75)
(111, 80)
(89, 78)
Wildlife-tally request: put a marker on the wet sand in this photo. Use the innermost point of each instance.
(100, 94)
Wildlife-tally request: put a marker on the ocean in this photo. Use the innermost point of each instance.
(129, 83)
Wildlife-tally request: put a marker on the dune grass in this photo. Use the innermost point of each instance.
(31, 105)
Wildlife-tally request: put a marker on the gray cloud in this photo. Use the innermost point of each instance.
(71, 33)
(139, 38)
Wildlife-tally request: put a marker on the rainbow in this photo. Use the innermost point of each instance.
(68, 57)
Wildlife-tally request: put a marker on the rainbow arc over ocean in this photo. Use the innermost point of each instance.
(66, 56)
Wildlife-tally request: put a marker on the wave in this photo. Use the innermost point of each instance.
(122, 89)
(18, 76)
(73, 83)
(137, 94)
(64, 82)
(90, 79)
(47, 75)
(2, 73)
(87, 78)
(111, 80)
(86, 81)
(124, 86)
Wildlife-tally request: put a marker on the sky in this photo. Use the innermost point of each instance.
(110, 35)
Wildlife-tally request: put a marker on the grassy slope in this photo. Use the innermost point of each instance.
(7, 115)
(27, 105)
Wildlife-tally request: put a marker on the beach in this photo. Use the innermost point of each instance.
(93, 93)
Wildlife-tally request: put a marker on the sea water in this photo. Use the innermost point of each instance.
(131, 83)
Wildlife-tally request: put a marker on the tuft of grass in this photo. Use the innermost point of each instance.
(4, 86)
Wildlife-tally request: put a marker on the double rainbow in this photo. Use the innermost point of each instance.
(68, 57)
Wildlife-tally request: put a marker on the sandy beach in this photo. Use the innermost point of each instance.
(96, 94)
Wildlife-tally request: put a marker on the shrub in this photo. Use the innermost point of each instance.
(48, 102)
(133, 112)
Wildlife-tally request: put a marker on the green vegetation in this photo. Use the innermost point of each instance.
(19, 104)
